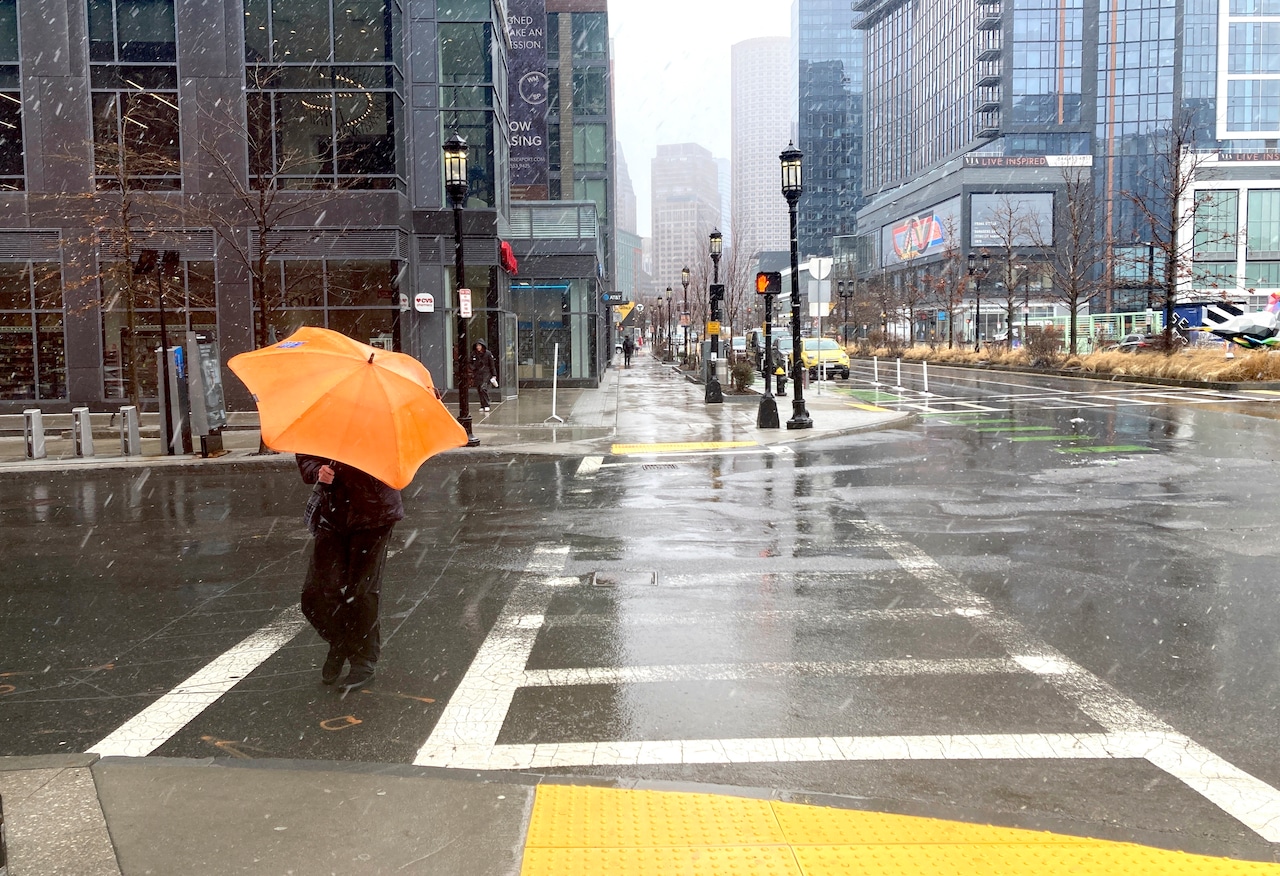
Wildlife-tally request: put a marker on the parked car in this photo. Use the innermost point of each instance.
(1134, 343)
(827, 354)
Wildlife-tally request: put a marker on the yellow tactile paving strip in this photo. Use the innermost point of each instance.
(608, 830)
(678, 447)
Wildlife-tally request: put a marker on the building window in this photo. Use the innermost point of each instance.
(134, 83)
(1262, 275)
(590, 91)
(1214, 275)
(325, 101)
(590, 35)
(358, 297)
(466, 59)
(190, 305)
(1216, 228)
(12, 177)
(590, 147)
(32, 350)
(1253, 105)
(1264, 222)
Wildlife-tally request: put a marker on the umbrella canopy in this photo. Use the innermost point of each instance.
(322, 393)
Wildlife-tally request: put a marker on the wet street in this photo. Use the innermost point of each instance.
(1042, 603)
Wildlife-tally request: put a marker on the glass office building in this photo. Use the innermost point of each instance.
(154, 125)
(829, 122)
(986, 97)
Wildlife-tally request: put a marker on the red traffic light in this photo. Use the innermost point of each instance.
(768, 283)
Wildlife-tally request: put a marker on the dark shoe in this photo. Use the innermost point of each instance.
(332, 667)
(361, 674)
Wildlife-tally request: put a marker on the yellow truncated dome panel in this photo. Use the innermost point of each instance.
(614, 831)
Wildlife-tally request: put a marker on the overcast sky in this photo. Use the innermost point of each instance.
(671, 69)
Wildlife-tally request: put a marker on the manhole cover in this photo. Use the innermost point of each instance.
(624, 578)
(653, 466)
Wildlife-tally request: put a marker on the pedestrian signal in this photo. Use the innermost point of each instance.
(717, 291)
(768, 283)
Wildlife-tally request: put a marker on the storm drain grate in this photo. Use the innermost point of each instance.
(656, 466)
(623, 578)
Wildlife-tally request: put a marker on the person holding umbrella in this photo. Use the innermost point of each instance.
(362, 420)
(343, 586)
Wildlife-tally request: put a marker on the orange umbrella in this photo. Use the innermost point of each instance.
(320, 392)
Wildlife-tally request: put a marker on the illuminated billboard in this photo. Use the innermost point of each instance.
(1018, 219)
(928, 232)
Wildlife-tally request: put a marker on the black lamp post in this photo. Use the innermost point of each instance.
(670, 300)
(845, 290)
(792, 187)
(148, 262)
(684, 280)
(978, 274)
(455, 184)
(713, 394)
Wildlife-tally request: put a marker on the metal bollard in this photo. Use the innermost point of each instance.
(33, 431)
(82, 431)
(130, 439)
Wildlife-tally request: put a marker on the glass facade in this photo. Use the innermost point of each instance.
(325, 93)
(32, 347)
(1249, 66)
(11, 149)
(830, 123)
(1046, 69)
(133, 75)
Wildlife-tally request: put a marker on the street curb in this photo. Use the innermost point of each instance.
(1102, 377)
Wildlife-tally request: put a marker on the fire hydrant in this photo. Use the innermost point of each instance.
(782, 380)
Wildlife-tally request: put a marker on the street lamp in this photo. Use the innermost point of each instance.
(792, 187)
(713, 394)
(684, 280)
(671, 356)
(455, 185)
(845, 290)
(978, 274)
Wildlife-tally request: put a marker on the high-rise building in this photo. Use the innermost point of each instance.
(315, 104)
(627, 204)
(686, 208)
(980, 103)
(829, 50)
(763, 102)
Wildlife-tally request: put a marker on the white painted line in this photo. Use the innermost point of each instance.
(1021, 746)
(589, 466)
(799, 616)
(475, 712)
(158, 722)
(755, 671)
(1246, 798)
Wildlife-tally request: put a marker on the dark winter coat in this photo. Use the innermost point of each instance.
(356, 500)
(483, 366)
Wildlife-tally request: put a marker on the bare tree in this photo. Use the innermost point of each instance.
(1075, 257)
(135, 161)
(264, 196)
(1169, 205)
(1012, 228)
(946, 280)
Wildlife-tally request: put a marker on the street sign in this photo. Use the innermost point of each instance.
(424, 302)
(612, 297)
(464, 303)
(713, 328)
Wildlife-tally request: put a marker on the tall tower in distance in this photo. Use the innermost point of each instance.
(686, 208)
(762, 103)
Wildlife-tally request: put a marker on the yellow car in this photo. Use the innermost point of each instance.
(827, 354)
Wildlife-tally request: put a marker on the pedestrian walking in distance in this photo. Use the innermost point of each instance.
(344, 579)
(484, 372)
(628, 347)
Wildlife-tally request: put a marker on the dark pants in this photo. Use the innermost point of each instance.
(482, 390)
(343, 587)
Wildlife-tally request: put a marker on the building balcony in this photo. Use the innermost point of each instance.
(988, 107)
(991, 80)
(990, 21)
(991, 53)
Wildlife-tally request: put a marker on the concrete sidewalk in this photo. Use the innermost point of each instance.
(649, 403)
(76, 814)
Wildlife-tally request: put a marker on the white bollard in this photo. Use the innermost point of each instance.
(33, 431)
(875, 370)
(898, 385)
(82, 431)
(130, 439)
(924, 368)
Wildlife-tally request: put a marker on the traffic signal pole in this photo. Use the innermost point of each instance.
(768, 284)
